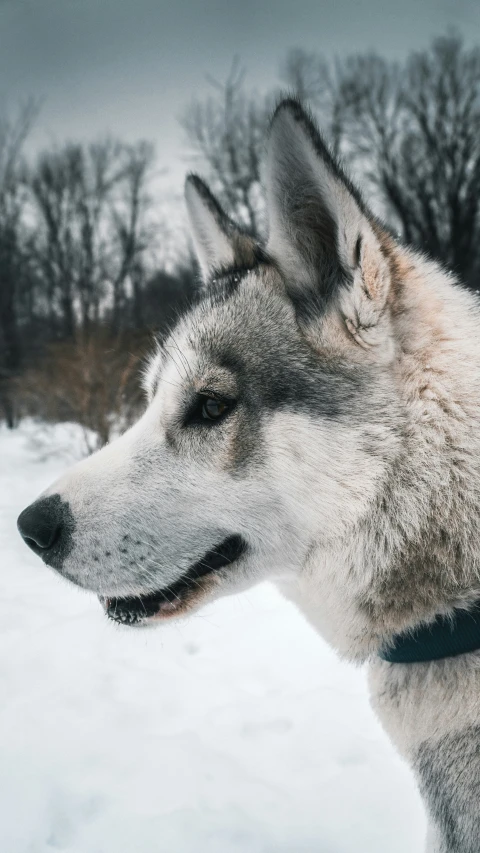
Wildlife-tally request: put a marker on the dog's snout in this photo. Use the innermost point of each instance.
(41, 524)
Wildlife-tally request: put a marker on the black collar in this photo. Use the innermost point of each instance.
(447, 636)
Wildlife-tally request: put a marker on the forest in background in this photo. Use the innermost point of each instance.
(89, 269)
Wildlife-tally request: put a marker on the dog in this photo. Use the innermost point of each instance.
(313, 420)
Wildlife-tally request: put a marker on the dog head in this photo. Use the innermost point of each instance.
(268, 428)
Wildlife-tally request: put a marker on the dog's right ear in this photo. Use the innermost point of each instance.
(212, 231)
(322, 236)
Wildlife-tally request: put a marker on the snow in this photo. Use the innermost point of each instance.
(236, 731)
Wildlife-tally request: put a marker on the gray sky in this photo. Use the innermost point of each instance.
(129, 66)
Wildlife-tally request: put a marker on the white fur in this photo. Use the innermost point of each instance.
(213, 248)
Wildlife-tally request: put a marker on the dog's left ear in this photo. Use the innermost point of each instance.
(219, 243)
(212, 230)
(321, 234)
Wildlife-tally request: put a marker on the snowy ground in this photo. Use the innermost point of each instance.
(234, 732)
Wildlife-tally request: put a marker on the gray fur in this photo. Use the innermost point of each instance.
(449, 778)
(348, 460)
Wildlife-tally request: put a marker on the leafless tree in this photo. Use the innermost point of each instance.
(80, 289)
(432, 178)
(316, 81)
(226, 132)
(13, 133)
(412, 131)
(92, 206)
(134, 233)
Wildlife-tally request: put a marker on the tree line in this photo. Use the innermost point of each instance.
(80, 284)
(408, 131)
(83, 275)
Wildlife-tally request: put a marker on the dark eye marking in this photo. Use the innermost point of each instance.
(230, 278)
(358, 251)
(209, 408)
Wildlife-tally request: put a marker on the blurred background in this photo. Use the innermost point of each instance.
(236, 731)
(104, 106)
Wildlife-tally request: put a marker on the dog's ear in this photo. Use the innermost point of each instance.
(212, 231)
(320, 233)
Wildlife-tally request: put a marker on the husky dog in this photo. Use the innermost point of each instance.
(313, 420)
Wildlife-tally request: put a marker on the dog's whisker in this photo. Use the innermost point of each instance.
(180, 368)
(183, 358)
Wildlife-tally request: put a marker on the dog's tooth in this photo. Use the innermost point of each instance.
(170, 606)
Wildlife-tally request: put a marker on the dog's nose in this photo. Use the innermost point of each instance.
(40, 524)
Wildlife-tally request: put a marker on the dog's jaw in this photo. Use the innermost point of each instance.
(181, 596)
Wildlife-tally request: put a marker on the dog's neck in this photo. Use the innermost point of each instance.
(414, 553)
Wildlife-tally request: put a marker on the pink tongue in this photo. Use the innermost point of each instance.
(169, 606)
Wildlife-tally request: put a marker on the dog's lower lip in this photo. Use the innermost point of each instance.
(136, 610)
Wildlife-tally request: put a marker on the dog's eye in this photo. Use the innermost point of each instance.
(213, 409)
(208, 409)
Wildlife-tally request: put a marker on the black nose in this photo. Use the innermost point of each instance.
(40, 524)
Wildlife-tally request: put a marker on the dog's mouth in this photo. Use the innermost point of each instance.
(180, 595)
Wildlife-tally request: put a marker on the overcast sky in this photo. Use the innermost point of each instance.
(129, 66)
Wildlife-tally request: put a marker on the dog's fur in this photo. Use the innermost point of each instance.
(349, 462)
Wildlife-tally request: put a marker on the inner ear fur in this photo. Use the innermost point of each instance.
(220, 244)
(212, 231)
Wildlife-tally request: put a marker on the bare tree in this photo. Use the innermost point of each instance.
(316, 82)
(226, 131)
(432, 179)
(13, 133)
(412, 131)
(92, 205)
(134, 233)
(79, 281)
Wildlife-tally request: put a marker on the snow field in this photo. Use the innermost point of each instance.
(236, 731)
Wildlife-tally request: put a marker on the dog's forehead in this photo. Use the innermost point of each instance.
(236, 323)
(242, 315)
(238, 312)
